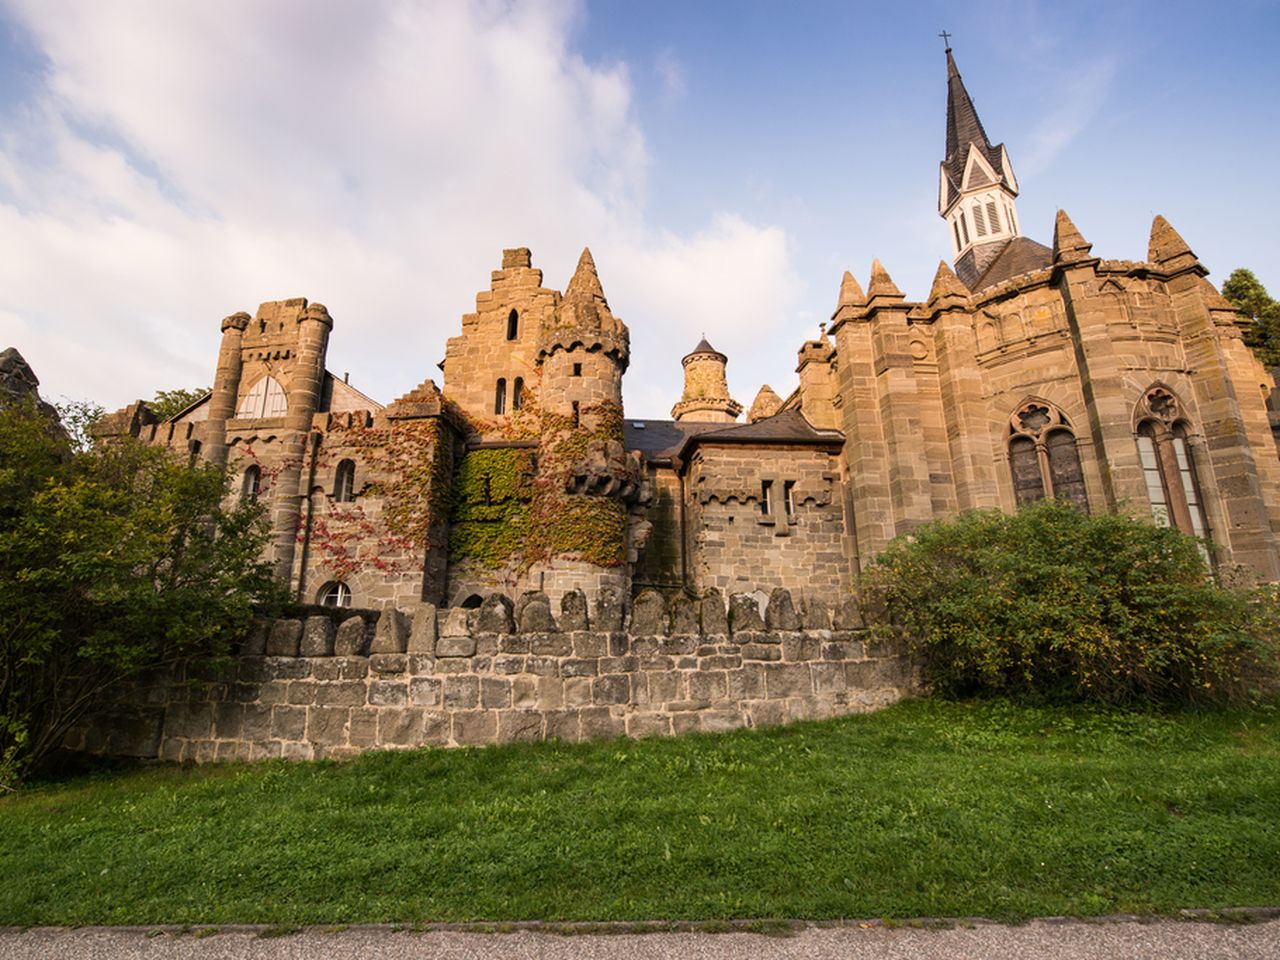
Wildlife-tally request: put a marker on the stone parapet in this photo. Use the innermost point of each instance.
(319, 686)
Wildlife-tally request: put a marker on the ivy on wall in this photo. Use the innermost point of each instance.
(492, 490)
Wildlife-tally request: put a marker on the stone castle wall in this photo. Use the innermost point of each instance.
(336, 683)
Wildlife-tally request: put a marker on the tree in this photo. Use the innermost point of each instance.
(113, 562)
(1247, 294)
(169, 402)
(1053, 603)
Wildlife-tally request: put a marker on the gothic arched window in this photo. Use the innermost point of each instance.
(1043, 457)
(513, 325)
(344, 482)
(1168, 464)
(266, 399)
(517, 393)
(500, 396)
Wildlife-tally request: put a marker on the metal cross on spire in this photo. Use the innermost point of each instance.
(946, 38)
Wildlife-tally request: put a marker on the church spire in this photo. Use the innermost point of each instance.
(976, 185)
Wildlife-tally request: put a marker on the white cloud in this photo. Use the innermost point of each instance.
(183, 161)
(1081, 95)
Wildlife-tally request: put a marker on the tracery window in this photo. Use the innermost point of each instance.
(266, 399)
(1168, 463)
(344, 482)
(1043, 457)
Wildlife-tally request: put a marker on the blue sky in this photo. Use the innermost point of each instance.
(163, 164)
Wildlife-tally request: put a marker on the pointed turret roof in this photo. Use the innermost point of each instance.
(946, 284)
(964, 128)
(1166, 243)
(1068, 243)
(704, 347)
(585, 284)
(881, 284)
(850, 292)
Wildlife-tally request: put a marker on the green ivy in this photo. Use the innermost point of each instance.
(492, 490)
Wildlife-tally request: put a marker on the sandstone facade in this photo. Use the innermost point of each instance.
(1029, 371)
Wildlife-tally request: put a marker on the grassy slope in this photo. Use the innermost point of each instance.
(926, 809)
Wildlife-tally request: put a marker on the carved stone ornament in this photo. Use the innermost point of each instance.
(1034, 417)
(1162, 404)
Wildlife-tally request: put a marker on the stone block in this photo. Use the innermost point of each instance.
(664, 686)
(577, 691)
(453, 622)
(562, 725)
(587, 644)
(455, 646)
(301, 692)
(256, 724)
(610, 609)
(284, 639)
(862, 674)
(400, 728)
(495, 693)
(787, 680)
(829, 678)
(707, 687)
(715, 621)
(426, 691)
(746, 683)
(599, 723)
(326, 670)
(535, 614)
(341, 693)
(780, 614)
(797, 647)
(436, 728)
(288, 723)
(387, 664)
(254, 643)
(362, 727)
(849, 615)
(495, 615)
(475, 727)
(684, 723)
(761, 651)
(814, 614)
(348, 641)
(744, 614)
(287, 668)
(551, 644)
(327, 725)
(768, 713)
(524, 692)
(461, 693)
(611, 689)
(190, 721)
(317, 637)
(392, 633)
(684, 616)
(228, 720)
(573, 611)
(543, 666)
(423, 632)
(720, 721)
(649, 615)
(519, 725)
(354, 668)
(648, 725)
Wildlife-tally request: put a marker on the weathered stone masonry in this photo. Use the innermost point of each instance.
(337, 683)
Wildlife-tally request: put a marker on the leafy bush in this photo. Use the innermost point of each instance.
(112, 562)
(1055, 604)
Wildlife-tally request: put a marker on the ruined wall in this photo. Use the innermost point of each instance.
(337, 683)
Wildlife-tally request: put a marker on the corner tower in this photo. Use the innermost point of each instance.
(976, 186)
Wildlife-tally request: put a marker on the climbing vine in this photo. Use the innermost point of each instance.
(492, 490)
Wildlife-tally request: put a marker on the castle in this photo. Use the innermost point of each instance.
(1030, 371)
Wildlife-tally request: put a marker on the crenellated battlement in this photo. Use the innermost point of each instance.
(335, 683)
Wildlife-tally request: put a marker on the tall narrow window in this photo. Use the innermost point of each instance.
(344, 482)
(517, 393)
(789, 497)
(766, 496)
(1066, 477)
(1028, 485)
(577, 369)
(1168, 465)
(513, 325)
(500, 397)
(577, 414)
(251, 483)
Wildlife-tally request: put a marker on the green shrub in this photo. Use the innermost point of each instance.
(1055, 604)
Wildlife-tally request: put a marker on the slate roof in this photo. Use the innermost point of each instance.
(963, 128)
(669, 439)
(704, 347)
(1020, 255)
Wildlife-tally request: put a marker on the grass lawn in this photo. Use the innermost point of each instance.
(926, 809)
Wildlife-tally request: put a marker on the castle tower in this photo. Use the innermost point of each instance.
(976, 186)
(706, 391)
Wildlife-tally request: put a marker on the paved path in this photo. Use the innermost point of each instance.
(1042, 940)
